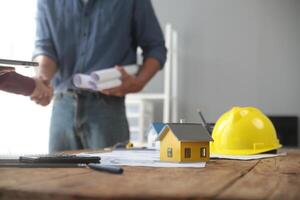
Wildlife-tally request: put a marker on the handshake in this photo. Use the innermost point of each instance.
(96, 81)
(43, 92)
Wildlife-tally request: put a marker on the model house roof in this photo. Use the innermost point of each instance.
(187, 132)
(158, 126)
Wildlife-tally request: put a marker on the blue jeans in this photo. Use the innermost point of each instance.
(87, 120)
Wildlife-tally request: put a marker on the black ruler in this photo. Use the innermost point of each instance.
(19, 62)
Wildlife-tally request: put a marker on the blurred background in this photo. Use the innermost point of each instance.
(229, 53)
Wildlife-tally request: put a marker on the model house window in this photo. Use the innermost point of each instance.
(170, 152)
(203, 152)
(187, 152)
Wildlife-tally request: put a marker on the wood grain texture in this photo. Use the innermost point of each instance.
(223, 179)
(273, 178)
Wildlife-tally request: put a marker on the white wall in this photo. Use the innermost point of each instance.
(235, 52)
(24, 125)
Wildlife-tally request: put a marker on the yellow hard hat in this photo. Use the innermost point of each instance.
(243, 131)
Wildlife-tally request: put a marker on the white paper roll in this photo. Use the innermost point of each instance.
(83, 81)
(112, 73)
(106, 85)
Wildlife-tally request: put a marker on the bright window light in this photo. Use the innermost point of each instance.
(24, 125)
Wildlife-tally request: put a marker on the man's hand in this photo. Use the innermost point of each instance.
(42, 93)
(130, 84)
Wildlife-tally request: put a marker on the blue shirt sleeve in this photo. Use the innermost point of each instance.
(148, 33)
(43, 40)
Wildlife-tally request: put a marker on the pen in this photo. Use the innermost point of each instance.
(204, 122)
(106, 168)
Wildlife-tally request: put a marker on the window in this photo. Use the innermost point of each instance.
(187, 152)
(170, 152)
(203, 152)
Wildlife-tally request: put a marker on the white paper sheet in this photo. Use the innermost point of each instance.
(145, 158)
(112, 73)
(248, 157)
(83, 81)
(102, 79)
(106, 85)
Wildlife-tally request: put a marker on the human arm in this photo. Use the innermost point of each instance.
(44, 48)
(44, 52)
(148, 35)
(47, 68)
(13, 82)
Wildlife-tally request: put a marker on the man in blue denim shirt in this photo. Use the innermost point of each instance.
(83, 36)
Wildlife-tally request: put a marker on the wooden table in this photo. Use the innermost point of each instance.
(273, 178)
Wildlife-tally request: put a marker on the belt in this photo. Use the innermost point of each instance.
(88, 93)
(85, 93)
(80, 93)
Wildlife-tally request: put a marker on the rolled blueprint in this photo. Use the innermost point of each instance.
(83, 81)
(106, 85)
(112, 73)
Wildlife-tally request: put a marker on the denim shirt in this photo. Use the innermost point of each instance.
(82, 38)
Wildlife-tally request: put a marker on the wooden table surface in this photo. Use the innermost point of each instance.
(272, 178)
